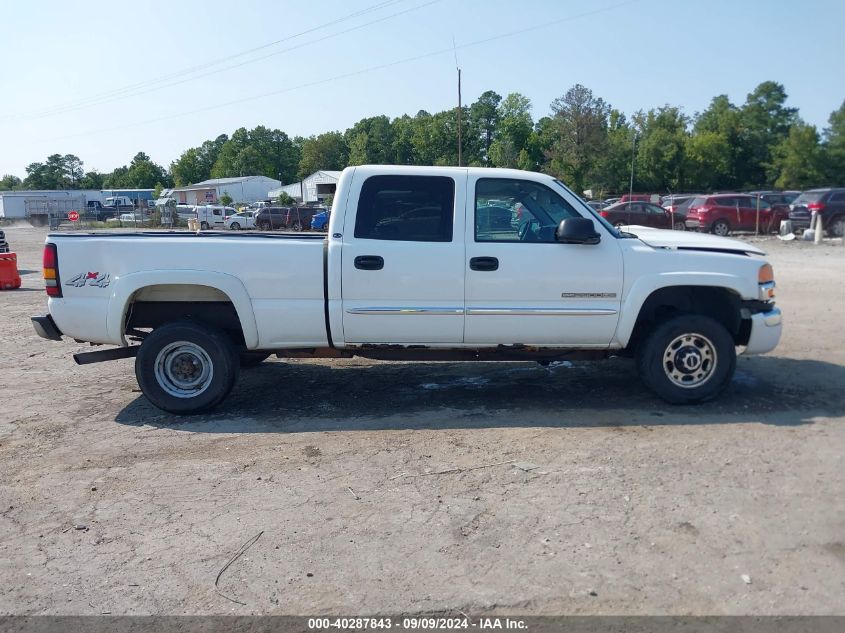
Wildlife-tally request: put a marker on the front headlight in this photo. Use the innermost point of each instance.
(766, 281)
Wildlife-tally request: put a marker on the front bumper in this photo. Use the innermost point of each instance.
(45, 327)
(765, 332)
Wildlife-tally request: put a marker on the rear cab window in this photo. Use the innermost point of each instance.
(406, 208)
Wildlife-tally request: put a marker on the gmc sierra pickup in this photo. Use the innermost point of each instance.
(420, 263)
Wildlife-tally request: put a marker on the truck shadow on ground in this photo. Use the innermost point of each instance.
(353, 396)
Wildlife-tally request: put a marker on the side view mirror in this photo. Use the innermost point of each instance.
(577, 231)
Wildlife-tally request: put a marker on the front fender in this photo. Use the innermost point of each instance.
(644, 286)
(124, 287)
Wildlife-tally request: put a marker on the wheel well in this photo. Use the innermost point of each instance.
(153, 306)
(720, 304)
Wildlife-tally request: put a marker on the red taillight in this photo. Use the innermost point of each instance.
(52, 282)
(816, 206)
(604, 214)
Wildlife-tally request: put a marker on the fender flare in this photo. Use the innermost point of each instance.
(643, 288)
(125, 286)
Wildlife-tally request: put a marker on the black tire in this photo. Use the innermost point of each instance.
(175, 349)
(836, 227)
(253, 359)
(704, 346)
(297, 226)
(264, 226)
(720, 227)
(680, 226)
(204, 226)
(235, 226)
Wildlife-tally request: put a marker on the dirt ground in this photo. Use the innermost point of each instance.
(387, 488)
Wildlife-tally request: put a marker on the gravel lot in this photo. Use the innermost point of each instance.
(386, 488)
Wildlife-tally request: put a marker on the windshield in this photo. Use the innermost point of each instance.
(593, 214)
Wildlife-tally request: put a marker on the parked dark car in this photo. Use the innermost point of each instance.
(726, 212)
(829, 203)
(95, 209)
(290, 218)
(641, 213)
(775, 198)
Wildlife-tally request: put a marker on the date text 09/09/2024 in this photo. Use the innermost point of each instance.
(416, 623)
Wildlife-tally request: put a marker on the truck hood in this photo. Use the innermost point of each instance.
(692, 241)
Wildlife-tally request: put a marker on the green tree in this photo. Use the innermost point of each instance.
(660, 150)
(797, 160)
(709, 161)
(141, 173)
(484, 117)
(578, 135)
(834, 147)
(189, 169)
(370, 141)
(325, 151)
(719, 152)
(285, 200)
(514, 130)
(257, 152)
(765, 122)
(157, 191)
(92, 180)
(226, 199)
(611, 172)
(9, 182)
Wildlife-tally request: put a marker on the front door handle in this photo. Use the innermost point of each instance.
(484, 263)
(369, 262)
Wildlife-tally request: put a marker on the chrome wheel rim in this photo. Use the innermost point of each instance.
(720, 229)
(183, 369)
(690, 360)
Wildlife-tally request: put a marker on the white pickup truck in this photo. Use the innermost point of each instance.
(420, 263)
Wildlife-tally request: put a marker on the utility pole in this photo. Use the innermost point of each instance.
(460, 109)
(633, 153)
(460, 131)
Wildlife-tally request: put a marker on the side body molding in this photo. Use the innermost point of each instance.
(123, 287)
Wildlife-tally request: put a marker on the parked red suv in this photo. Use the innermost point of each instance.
(726, 212)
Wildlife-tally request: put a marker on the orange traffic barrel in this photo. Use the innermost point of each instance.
(9, 276)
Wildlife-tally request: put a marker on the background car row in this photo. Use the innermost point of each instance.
(724, 213)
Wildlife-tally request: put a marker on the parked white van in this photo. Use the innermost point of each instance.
(213, 216)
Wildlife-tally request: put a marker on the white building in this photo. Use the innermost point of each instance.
(25, 204)
(313, 188)
(243, 189)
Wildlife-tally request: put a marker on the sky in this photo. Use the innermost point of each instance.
(104, 80)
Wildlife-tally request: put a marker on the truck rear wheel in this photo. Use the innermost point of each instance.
(690, 358)
(186, 367)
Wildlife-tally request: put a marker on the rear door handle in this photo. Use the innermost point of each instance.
(484, 263)
(369, 262)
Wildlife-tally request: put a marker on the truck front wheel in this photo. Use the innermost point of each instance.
(690, 358)
(186, 367)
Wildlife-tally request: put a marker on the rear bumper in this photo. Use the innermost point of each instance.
(45, 327)
(765, 334)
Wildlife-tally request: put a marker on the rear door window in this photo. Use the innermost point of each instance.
(406, 208)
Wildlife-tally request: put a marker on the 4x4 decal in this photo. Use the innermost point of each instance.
(98, 279)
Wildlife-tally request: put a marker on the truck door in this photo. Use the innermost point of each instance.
(403, 257)
(522, 286)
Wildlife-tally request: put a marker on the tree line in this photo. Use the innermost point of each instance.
(582, 140)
